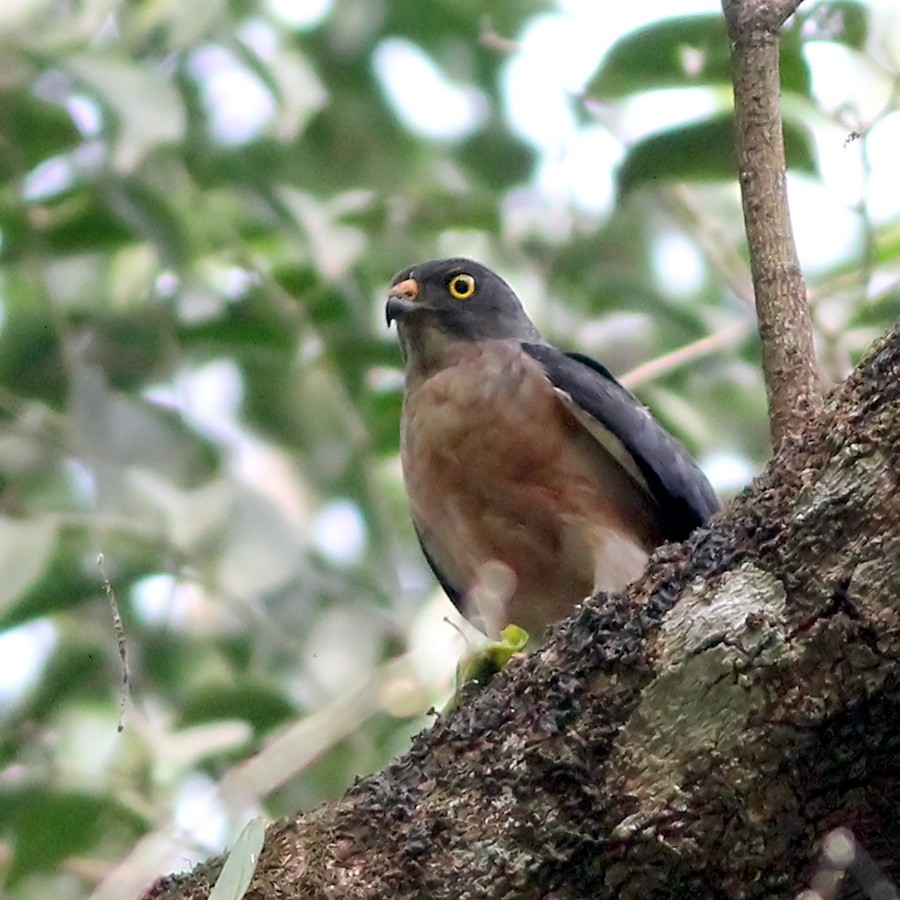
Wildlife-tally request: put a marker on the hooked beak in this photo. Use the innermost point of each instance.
(401, 300)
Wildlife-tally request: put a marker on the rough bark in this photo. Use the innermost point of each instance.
(782, 309)
(696, 737)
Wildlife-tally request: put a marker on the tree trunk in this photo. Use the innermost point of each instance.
(695, 737)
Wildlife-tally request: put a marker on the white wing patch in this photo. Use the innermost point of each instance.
(605, 438)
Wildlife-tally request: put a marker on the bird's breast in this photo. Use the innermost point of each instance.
(465, 413)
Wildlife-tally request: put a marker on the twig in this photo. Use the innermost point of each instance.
(719, 252)
(695, 350)
(494, 41)
(783, 312)
(120, 641)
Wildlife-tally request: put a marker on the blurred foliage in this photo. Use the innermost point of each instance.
(200, 207)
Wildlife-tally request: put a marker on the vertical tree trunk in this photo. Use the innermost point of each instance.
(785, 325)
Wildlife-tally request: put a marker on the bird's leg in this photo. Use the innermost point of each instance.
(487, 600)
(486, 604)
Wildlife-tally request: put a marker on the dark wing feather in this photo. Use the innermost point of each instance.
(685, 497)
(455, 594)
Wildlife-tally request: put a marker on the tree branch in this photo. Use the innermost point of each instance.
(697, 736)
(667, 362)
(781, 304)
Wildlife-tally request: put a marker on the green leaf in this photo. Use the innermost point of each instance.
(875, 313)
(500, 161)
(673, 53)
(147, 108)
(26, 546)
(292, 81)
(841, 21)
(80, 221)
(702, 151)
(31, 362)
(32, 131)
(685, 52)
(251, 329)
(237, 873)
(261, 704)
(77, 672)
(52, 824)
(148, 216)
(71, 577)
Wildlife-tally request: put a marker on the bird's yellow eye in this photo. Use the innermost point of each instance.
(462, 286)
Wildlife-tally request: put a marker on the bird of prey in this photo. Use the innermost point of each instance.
(534, 477)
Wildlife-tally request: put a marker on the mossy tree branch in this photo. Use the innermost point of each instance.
(696, 737)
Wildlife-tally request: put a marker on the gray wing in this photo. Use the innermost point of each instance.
(618, 420)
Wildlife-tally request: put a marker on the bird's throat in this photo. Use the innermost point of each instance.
(428, 349)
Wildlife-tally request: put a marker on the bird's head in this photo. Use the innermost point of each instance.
(450, 300)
